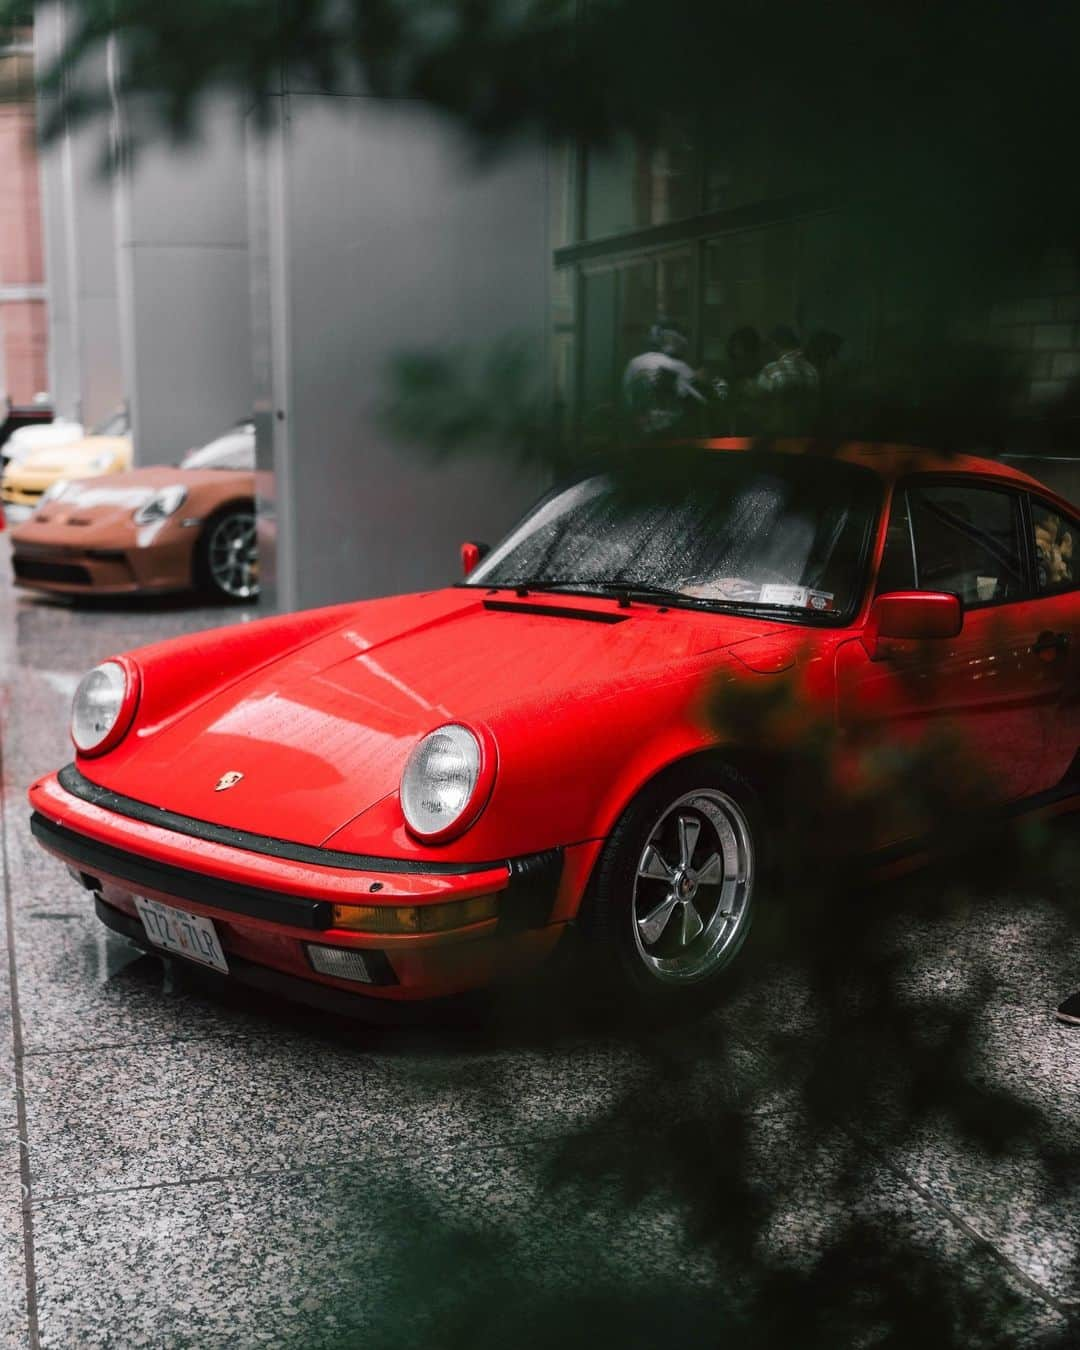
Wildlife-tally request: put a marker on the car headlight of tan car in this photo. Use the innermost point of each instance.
(164, 503)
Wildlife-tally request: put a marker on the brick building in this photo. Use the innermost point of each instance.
(23, 327)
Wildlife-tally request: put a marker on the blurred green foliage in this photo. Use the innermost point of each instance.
(949, 129)
(952, 125)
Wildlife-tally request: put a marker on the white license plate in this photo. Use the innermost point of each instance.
(187, 935)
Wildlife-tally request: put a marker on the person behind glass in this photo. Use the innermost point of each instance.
(660, 387)
(822, 351)
(730, 389)
(789, 371)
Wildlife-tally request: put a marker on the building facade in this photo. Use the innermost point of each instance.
(23, 319)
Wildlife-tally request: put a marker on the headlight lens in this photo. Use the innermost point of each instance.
(440, 780)
(101, 463)
(161, 505)
(102, 707)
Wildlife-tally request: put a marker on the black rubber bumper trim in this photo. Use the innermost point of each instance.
(71, 780)
(251, 901)
(525, 903)
(534, 881)
(327, 998)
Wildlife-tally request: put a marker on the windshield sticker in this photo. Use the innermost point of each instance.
(796, 597)
(729, 588)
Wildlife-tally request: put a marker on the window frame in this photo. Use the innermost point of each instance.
(1019, 495)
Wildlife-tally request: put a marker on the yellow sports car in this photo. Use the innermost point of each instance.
(106, 450)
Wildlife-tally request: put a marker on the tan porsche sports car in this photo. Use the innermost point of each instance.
(149, 530)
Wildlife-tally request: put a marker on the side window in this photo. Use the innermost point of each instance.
(1056, 545)
(968, 540)
(898, 561)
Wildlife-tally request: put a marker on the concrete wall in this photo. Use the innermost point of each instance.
(372, 234)
(86, 366)
(147, 275)
(183, 271)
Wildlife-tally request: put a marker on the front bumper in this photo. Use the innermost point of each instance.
(67, 568)
(267, 908)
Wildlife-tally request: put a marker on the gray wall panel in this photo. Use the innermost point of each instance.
(191, 194)
(191, 340)
(181, 228)
(391, 241)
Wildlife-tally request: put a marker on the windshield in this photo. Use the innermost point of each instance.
(234, 450)
(755, 530)
(114, 425)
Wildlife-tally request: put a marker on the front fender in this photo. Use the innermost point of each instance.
(179, 673)
(564, 774)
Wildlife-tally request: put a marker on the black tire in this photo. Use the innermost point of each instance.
(627, 968)
(236, 585)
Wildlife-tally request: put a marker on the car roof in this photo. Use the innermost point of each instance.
(888, 461)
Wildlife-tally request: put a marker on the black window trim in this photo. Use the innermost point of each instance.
(1018, 492)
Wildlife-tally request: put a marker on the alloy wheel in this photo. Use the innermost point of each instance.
(231, 556)
(692, 887)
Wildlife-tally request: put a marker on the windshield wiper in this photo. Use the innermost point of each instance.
(800, 612)
(623, 592)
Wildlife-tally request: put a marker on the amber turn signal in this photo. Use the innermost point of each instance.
(415, 918)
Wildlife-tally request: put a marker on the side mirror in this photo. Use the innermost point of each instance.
(471, 555)
(912, 616)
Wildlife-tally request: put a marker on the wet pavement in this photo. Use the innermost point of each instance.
(180, 1167)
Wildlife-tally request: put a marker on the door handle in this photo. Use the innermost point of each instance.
(1048, 645)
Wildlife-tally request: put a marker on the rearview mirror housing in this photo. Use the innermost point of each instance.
(472, 554)
(912, 616)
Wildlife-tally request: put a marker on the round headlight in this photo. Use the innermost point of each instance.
(161, 505)
(440, 788)
(102, 708)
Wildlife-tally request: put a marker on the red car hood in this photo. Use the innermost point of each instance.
(323, 733)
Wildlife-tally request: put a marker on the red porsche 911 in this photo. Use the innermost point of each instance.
(407, 797)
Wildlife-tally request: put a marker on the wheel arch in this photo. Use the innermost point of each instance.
(763, 771)
(221, 509)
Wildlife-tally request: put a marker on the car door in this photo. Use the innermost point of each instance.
(1055, 544)
(985, 687)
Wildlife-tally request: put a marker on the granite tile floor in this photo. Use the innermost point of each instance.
(180, 1167)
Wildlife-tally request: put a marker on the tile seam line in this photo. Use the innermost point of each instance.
(33, 1332)
(528, 1141)
(66, 1051)
(1065, 1307)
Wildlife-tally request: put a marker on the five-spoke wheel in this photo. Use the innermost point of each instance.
(693, 885)
(227, 560)
(673, 895)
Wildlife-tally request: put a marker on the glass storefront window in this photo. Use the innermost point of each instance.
(621, 304)
(563, 348)
(744, 164)
(638, 183)
(749, 281)
(562, 194)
